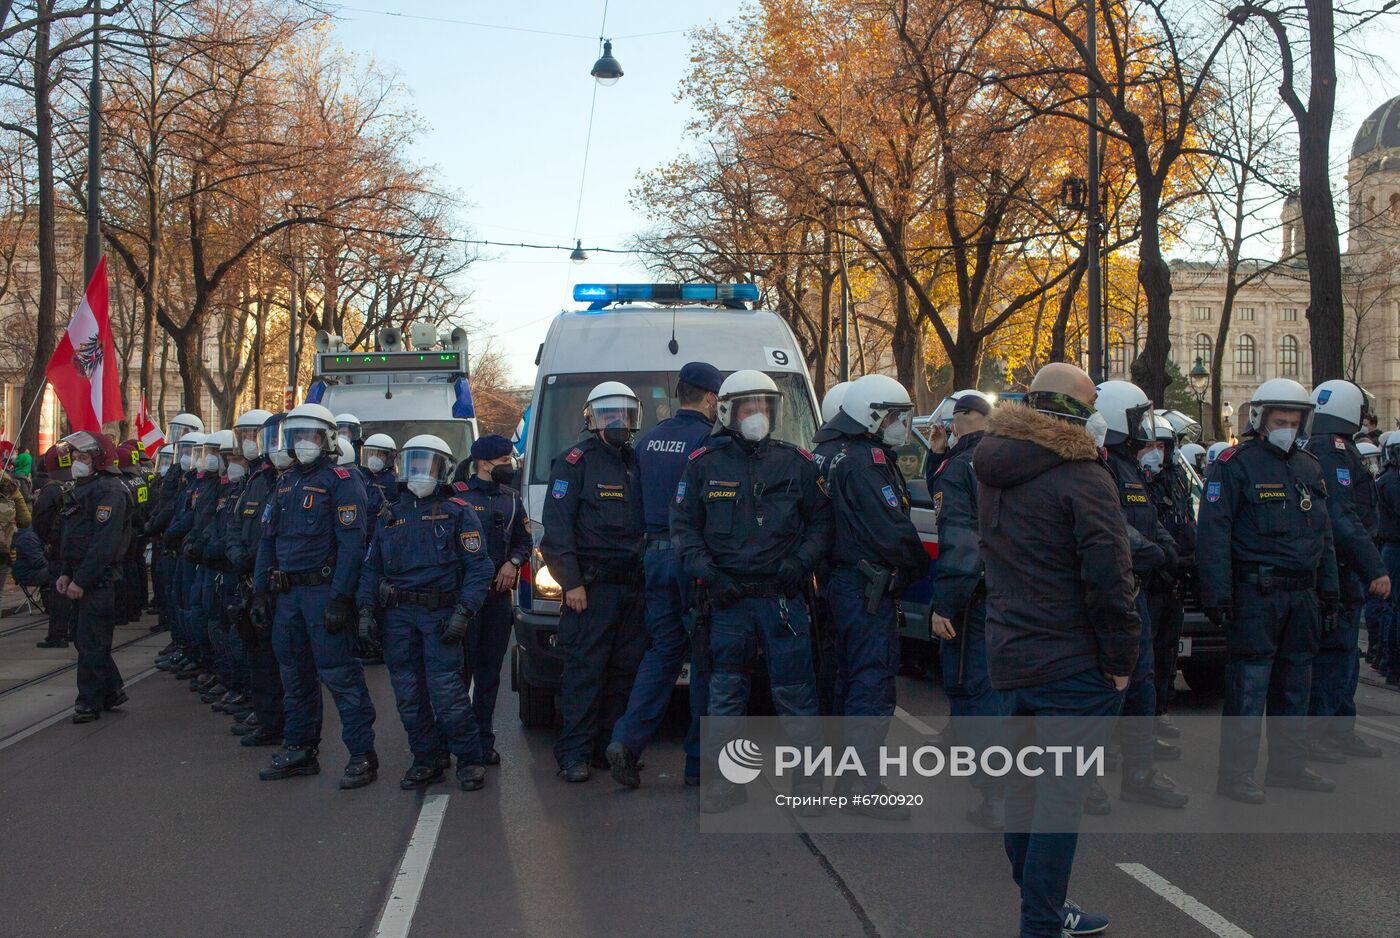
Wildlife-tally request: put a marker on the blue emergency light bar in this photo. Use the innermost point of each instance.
(599, 295)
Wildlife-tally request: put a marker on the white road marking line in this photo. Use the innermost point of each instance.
(1198, 910)
(919, 726)
(397, 917)
(1378, 729)
(62, 715)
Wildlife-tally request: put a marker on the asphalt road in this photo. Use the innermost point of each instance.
(152, 822)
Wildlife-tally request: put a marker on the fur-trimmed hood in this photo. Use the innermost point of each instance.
(1022, 443)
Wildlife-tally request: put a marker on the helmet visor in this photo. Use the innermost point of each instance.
(752, 404)
(1260, 413)
(370, 452)
(267, 438)
(614, 411)
(301, 431)
(178, 430)
(163, 462)
(422, 465)
(83, 442)
(351, 431)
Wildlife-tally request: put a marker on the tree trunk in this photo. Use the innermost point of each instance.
(1150, 366)
(1060, 329)
(187, 352)
(44, 316)
(1320, 236)
(1217, 358)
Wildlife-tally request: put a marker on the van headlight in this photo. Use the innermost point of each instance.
(543, 582)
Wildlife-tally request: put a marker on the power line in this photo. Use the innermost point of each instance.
(512, 29)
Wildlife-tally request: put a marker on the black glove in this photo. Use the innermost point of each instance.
(1173, 565)
(724, 592)
(260, 610)
(170, 539)
(366, 623)
(1330, 608)
(340, 615)
(791, 577)
(191, 550)
(237, 560)
(1186, 563)
(1218, 615)
(454, 627)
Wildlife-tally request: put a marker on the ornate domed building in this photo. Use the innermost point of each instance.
(1268, 336)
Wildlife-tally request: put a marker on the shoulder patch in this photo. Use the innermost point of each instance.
(890, 498)
(696, 454)
(680, 491)
(1226, 454)
(471, 540)
(348, 514)
(877, 455)
(1343, 476)
(1212, 491)
(459, 501)
(1337, 443)
(804, 453)
(459, 487)
(104, 514)
(341, 471)
(561, 488)
(574, 456)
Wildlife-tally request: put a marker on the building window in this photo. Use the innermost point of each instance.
(1200, 348)
(1118, 356)
(1246, 313)
(1290, 314)
(1244, 357)
(1288, 357)
(1203, 313)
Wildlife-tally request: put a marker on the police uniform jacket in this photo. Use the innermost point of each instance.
(953, 489)
(870, 512)
(501, 516)
(662, 453)
(225, 520)
(314, 520)
(1263, 507)
(1140, 514)
(1388, 502)
(429, 544)
(96, 531)
(1351, 504)
(592, 515)
(743, 508)
(242, 535)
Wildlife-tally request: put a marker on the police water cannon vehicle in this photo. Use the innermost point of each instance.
(640, 335)
(409, 385)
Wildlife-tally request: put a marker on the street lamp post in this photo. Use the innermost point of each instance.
(1226, 411)
(1200, 380)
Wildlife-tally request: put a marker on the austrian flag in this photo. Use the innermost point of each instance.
(83, 369)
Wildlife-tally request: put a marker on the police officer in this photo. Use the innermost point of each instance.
(262, 726)
(429, 569)
(55, 496)
(502, 518)
(96, 530)
(1195, 454)
(1264, 555)
(309, 558)
(827, 443)
(1388, 497)
(132, 600)
(160, 557)
(959, 604)
(1339, 407)
(230, 599)
(1124, 406)
(593, 536)
(875, 554)
(661, 457)
(751, 523)
(195, 663)
(198, 527)
(347, 426)
(1170, 490)
(376, 467)
(172, 499)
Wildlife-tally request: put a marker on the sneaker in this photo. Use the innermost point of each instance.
(1078, 922)
(623, 765)
(51, 643)
(1166, 728)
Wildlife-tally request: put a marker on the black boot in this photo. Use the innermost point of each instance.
(52, 643)
(261, 736)
(990, 815)
(577, 771)
(1164, 752)
(1166, 728)
(1244, 789)
(1148, 786)
(82, 714)
(420, 775)
(1306, 780)
(471, 776)
(296, 760)
(623, 765)
(115, 700)
(360, 770)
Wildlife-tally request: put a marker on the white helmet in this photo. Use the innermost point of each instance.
(348, 426)
(248, 430)
(870, 401)
(612, 405)
(165, 458)
(377, 452)
(347, 451)
(1195, 454)
(1123, 405)
(1214, 452)
(188, 450)
(750, 386)
(1159, 428)
(211, 452)
(181, 424)
(1390, 448)
(424, 464)
(1370, 453)
(1339, 406)
(1187, 429)
(308, 424)
(1281, 393)
(831, 403)
(222, 441)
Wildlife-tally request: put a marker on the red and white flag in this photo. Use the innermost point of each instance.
(83, 369)
(147, 432)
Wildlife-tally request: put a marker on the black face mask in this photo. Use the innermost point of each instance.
(616, 436)
(502, 474)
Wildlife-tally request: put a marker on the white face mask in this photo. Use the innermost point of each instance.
(422, 487)
(1097, 425)
(280, 459)
(81, 470)
(250, 449)
(236, 471)
(1151, 462)
(185, 462)
(1283, 438)
(754, 427)
(375, 463)
(307, 451)
(896, 434)
(213, 464)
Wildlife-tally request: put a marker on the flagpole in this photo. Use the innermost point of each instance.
(25, 419)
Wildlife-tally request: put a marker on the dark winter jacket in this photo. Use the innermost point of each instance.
(1060, 588)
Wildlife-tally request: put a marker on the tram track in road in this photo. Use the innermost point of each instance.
(62, 669)
(24, 626)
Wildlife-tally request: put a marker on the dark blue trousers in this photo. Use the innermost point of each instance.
(306, 652)
(972, 700)
(485, 649)
(428, 686)
(669, 598)
(867, 661)
(1140, 700)
(603, 646)
(1336, 670)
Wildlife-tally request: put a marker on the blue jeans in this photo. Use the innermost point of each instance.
(1042, 814)
(867, 660)
(1271, 640)
(1390, 622)
(484, 650)
(306, 651)
(669, 598)
(1335, 673)
(1140, 701)
(428, 687)
(969, 687)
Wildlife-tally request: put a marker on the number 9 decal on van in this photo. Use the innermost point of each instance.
(778, 357)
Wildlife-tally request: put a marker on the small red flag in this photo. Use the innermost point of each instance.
(146, 431)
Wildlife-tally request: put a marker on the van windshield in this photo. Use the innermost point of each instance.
(457, 434)
(558, 414)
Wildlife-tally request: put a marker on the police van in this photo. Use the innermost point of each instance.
(641, 335)
(403, 387)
